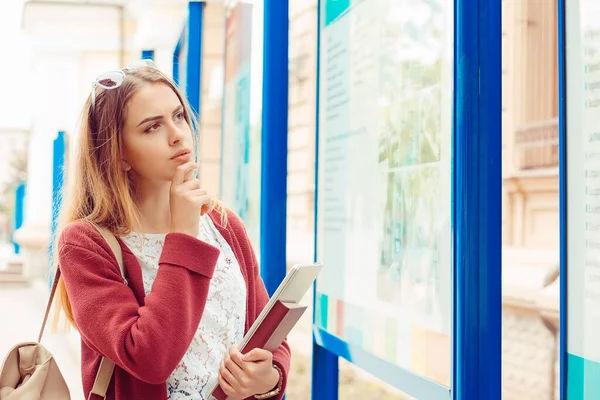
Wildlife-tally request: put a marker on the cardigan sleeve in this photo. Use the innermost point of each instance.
(281, 356)
(147, 341)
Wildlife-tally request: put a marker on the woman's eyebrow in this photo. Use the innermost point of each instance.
(154, 118)
(159, 117)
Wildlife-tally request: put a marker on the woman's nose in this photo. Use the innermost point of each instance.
(175, 134)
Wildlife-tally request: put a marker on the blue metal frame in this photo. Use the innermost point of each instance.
(562, 178)
(403, 379)
(477, 195)
(274, 144)
(147, 54)
(191, 36)
(325, 365)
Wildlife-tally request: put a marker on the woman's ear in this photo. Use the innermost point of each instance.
(126, 166)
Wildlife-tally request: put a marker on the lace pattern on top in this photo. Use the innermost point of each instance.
(222, 323)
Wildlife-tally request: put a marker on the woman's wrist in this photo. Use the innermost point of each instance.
(276, 373)
(277, 378)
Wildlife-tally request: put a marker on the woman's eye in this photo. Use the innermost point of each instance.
(179, 116)
(152, 127)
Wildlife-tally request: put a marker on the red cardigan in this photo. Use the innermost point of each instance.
(147, 336)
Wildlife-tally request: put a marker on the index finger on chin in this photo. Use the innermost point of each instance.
(182, 171)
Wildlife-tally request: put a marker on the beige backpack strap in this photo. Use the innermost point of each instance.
(107, 366)
(103, 377)
(115, 247)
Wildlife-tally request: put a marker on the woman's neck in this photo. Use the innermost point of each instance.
(154, 207)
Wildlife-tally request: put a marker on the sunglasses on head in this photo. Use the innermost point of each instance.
(114, 79)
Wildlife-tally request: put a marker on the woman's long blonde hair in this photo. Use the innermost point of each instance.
(97, 189)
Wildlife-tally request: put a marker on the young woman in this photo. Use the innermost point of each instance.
(192, 286)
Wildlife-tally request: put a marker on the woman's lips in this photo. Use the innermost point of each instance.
(182, 157)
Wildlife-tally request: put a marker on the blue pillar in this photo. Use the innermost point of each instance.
(477, 200)
(274, 144)
(147, 54)
(176, 53)
(193, 68)
(19, 211)
(58, 165)
(325, 374)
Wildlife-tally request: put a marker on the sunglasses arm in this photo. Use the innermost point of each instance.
(93, 95)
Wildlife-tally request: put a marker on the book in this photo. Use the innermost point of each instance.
(270, 333)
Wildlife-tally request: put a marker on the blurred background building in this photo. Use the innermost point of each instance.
(530, 208)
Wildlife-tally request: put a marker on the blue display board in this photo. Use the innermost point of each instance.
(408, 147)
(383, 224)
(241, 135)
(579, 85)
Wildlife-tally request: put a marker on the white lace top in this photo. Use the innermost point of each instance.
(222, 323)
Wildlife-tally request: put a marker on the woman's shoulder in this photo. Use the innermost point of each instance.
(78, 233)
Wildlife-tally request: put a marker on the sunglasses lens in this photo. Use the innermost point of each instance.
(110, 80)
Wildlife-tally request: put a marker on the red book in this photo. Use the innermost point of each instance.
(270, 333)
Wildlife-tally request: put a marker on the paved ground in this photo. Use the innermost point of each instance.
(21, 312)
(6, 252)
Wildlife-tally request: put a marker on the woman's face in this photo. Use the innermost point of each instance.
(156, 136)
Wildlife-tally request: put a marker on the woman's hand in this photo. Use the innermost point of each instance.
(187, 200)
(241, 376)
